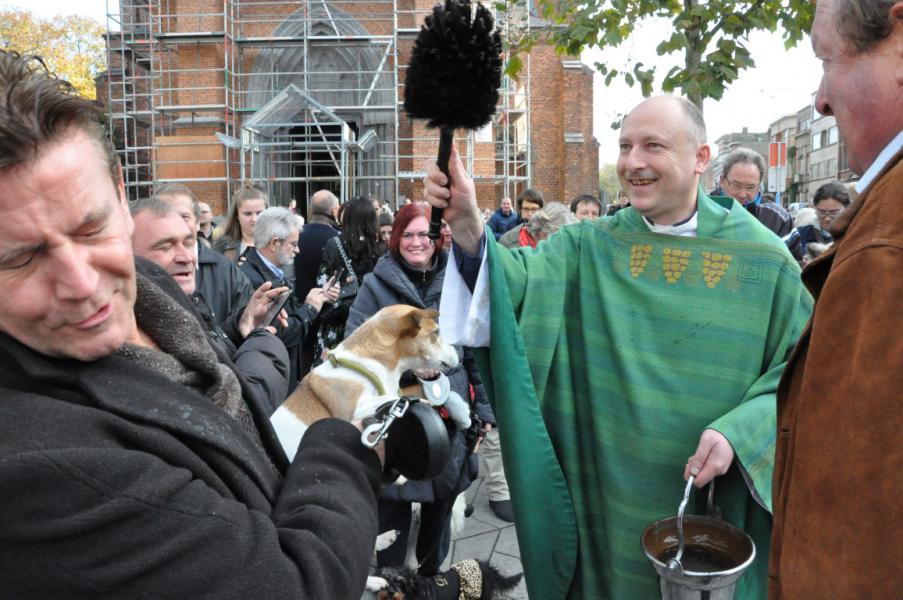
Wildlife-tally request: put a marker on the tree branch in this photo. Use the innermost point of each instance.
(720, 25)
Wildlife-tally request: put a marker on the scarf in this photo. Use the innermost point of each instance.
(185, 356)
(525, 239)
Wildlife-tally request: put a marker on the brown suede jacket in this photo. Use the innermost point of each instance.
(838, 475)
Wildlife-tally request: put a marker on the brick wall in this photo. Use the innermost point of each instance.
(561, 101)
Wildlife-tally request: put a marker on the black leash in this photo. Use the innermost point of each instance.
(472, 435)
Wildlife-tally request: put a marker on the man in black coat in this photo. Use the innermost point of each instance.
(221, 291)
(319, 229)
(163, 238)
(741, 179)
(276, 243)
(135, 461)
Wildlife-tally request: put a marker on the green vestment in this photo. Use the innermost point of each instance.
(613, 348)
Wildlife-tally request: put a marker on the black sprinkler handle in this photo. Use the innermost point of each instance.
(446, 139)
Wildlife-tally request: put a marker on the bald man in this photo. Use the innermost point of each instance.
(653, 335)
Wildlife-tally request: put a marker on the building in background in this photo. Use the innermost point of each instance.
(779, 158)
(303, 95)
(799, 158)
(824, 152)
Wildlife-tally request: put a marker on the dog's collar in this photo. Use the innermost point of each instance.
(337, 362)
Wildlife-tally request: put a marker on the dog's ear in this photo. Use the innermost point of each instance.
(410, 325)
(406, 326)
(424, 313)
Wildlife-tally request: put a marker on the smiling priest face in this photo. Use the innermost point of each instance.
(662, 155)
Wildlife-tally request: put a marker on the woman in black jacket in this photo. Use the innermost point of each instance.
(830, 200)
(352, 254)
(411, 272)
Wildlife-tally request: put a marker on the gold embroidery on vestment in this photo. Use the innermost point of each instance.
(674, 263)
(639, 258)
(714, 266)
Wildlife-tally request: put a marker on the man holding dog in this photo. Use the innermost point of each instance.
(620, 345)
(128, 467)
(838, 478)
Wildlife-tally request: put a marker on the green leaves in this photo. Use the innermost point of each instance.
(71, 46)
(513, 66)
(709, 33)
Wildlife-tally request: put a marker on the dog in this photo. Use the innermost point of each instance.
(405, 584)
(363, 372)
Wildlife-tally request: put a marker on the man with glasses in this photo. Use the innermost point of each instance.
(275, 246)
(741, 179)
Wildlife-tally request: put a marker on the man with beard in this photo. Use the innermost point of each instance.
(275, 245)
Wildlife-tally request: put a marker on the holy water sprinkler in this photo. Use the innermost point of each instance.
(454, 76)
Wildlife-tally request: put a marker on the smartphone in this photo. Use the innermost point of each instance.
(277, 305)
(339, 277)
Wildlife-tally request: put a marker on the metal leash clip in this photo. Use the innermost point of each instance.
(381, 428)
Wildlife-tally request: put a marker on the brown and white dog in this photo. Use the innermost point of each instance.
(365, 372)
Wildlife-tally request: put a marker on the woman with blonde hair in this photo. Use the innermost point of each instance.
(236, 235)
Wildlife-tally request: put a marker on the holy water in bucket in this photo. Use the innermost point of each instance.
(716, 554)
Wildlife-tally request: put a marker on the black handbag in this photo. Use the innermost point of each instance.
(349, 288)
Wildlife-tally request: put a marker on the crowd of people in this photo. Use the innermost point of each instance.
(607, 354)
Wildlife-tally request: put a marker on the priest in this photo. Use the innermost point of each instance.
(620, 347)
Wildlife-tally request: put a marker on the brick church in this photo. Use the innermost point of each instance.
(303, 95)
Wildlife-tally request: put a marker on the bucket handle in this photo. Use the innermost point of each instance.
(713, 510)
(674, 563)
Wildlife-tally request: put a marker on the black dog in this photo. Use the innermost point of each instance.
(404, 584)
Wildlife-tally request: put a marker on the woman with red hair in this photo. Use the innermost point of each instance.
(411, 272)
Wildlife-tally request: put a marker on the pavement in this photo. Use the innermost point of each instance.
(486, 537)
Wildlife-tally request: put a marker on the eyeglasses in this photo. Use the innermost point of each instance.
(828, 213)
(743, 187)
(423, 235)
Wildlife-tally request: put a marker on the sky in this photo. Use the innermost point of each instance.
(782, 82)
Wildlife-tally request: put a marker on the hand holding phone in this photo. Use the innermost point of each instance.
(332, 289)
(339, 276)
(276, 306)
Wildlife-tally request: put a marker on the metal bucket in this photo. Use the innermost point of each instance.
(715, 555)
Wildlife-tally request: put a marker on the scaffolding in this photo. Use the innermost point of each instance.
(294, 95)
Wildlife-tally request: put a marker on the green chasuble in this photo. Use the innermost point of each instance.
(613, 348)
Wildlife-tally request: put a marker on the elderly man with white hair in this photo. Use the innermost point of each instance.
(275, 246)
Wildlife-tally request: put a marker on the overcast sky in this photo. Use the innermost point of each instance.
(782, 82)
